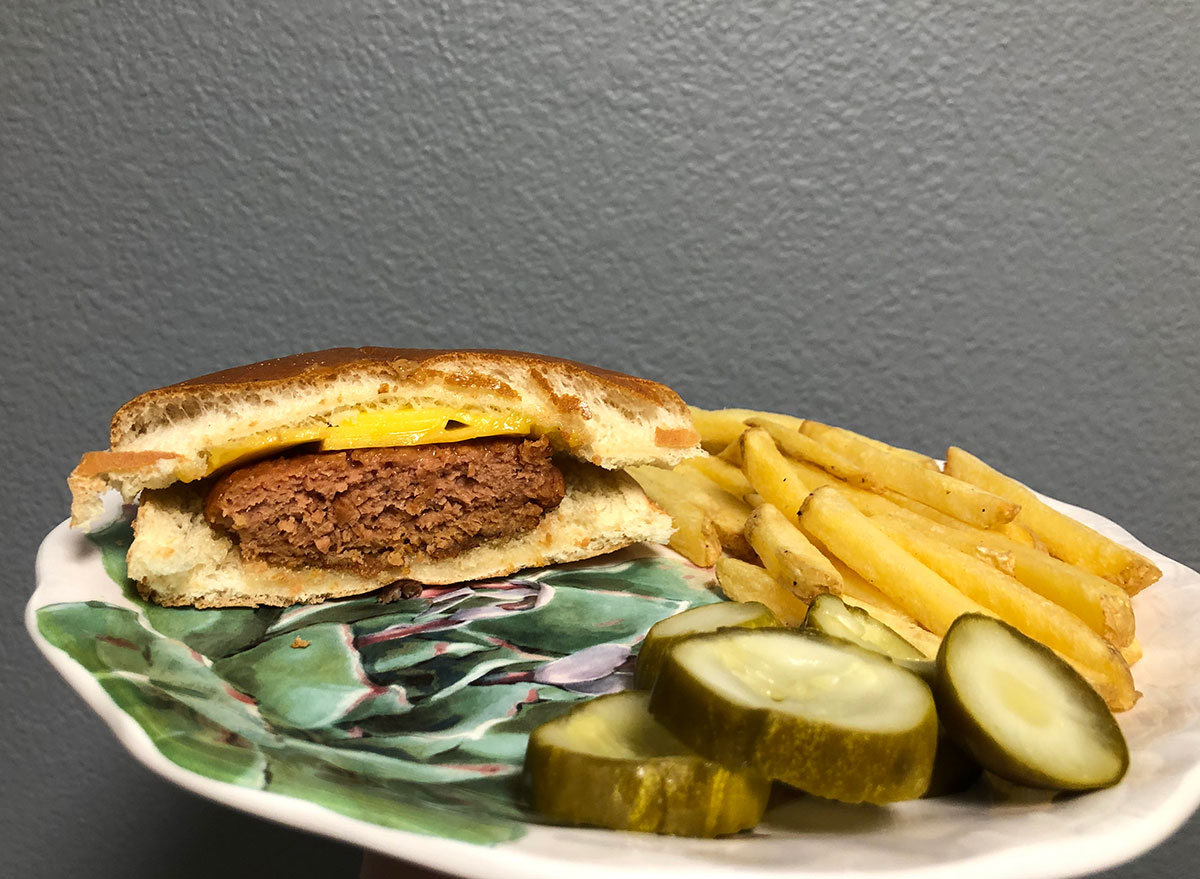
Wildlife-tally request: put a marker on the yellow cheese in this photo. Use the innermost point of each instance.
(373, 428)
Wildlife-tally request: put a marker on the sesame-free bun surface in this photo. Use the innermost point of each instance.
(163, 436)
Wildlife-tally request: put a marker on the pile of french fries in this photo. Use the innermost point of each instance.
(786, 508)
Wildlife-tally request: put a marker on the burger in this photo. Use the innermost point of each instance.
(351, 470)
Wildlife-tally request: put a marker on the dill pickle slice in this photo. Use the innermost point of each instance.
(608, 763)
(706, 618)
(831, 615)
(816, 712)
(1022, 712)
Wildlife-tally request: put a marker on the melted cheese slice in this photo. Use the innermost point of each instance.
(372, 429)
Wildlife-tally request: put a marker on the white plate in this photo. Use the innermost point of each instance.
(806, 838)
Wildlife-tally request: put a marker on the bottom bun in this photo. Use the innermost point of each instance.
(178, 559)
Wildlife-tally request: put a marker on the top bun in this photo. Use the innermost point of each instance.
(606, 418)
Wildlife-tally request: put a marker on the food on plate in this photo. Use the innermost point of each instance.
(728, 476)
(880, 576)
(343, 471)
(857, 541)
(1022, 712)
(675, 490)
(609, 763)
(831, 615)
(800, 446)
(1039, 618)
(742, 581)
(789, 556)
(1101, 605)
(706, 618)
(1066, 538)
(815, 712)
(954, 497)
(720, 428)
(915, 547)
(770, 475)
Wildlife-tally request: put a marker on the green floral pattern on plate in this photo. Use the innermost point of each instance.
(412, 715)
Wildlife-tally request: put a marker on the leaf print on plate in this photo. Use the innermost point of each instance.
(412, 715)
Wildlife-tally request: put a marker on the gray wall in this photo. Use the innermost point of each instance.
(934, 222)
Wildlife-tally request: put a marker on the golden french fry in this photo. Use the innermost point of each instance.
(1132, 652)
(1101, 605)
(1039, 618)
(724, 474)
(669, 488)
(1019, 533)
(908, 454)
(853, 538)
(890, 503)
(789, 556)
(728, 512)
(954, 497)
(731, 454)
(1066, 538)
(770, 473)
(696, 537)
(798, 445)
(719, 427)
(741, 581)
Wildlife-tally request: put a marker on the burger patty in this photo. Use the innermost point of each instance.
(367, 509)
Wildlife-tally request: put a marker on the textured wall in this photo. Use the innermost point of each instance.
(935, 222)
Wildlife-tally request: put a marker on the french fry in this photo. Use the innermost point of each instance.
(789, 556)
(851, 536)
(889, 503)
(741, 581)
(731, 454)
(724, 474)
(1066, 538)
(720, 427)
(1103, 606)
(770, 474)
(1132, 653)
(696, 537)
(798, 445)
(726, 512)
(1040, 619)
(954, 497)
(908, 454)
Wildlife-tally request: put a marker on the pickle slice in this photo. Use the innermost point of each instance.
(706, 618)
(816, 712)
(1022, 712)
(609, 763)
(831, 615)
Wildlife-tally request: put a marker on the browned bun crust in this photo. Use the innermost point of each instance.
(399, 365)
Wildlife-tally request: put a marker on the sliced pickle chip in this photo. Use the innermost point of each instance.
(829, 614)
(706, 618)
(609, 763)
(816, 712)
(1022, 712)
